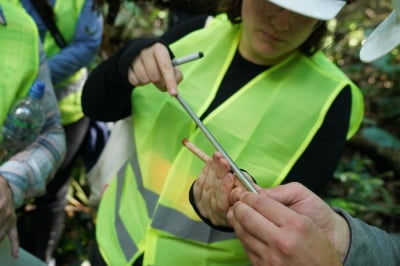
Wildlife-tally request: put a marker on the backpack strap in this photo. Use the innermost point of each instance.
(43, 7)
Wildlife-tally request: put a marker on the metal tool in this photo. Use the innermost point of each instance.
(188, 58)
(242, 178)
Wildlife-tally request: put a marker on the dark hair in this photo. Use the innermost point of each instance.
(314, 42)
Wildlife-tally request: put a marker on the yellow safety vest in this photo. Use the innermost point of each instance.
(67, 14)
(19, 53)
(265, 127)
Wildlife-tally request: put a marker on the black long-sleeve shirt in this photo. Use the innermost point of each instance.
(107, 97)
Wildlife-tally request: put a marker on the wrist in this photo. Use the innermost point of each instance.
(341, 236)
(204, 219)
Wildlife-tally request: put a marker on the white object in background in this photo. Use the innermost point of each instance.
(319, 9)
(384, 38)
(117, 151)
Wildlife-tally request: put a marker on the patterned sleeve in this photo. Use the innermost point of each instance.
(28, 171)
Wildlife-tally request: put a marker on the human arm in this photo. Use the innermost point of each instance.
(298, 211)
(288, 225)
(276, 221)
(108, 84)
(27, 172)
(83, 47)
(371, 245)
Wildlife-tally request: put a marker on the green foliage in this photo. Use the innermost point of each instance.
(369, 197)
(367, 181)
(134, 19)
(380, 137)
(78, 236)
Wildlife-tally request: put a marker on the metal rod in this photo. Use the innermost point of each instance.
(242, 178)
(187, 58)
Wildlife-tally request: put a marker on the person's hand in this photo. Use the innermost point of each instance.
(8, 219)
(213, 186)
(288, 225)
(212, 189)
(154, 65)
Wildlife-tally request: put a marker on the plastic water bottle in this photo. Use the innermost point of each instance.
(23, 122)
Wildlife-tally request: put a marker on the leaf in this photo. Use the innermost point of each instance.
(380, 137)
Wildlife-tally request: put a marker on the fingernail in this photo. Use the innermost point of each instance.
(173, 91)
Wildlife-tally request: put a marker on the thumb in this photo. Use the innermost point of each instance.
(178, 75)
(288, 194)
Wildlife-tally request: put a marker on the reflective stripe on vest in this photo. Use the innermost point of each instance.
(261, 140)
(19, 53)
(127, 247)
(67, 14)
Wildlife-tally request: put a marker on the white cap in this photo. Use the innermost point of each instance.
(319, 9)
(384, 38)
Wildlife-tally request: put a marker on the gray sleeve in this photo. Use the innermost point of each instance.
(370, 245)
